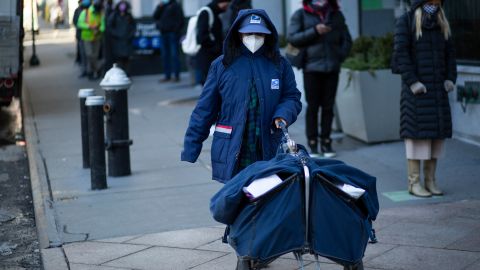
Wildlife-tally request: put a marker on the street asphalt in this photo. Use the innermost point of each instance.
(158, 218)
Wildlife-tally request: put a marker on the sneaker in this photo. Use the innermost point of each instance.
(313, 148)
(166, 79)
(326, 148)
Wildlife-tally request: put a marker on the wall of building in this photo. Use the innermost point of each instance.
(276, 12)
(466, 124)
(378, 17)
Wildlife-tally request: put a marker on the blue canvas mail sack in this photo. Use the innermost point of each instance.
(299, 216)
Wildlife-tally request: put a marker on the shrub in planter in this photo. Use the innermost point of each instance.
(368, 99)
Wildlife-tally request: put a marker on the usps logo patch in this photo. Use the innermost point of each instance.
(275, 84)
(255, 19)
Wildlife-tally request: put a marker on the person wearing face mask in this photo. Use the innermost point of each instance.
(210, 38)
(107, 39)
(319, 28)
(249, 90)
(426, 62)
(92, 23)
(170, 20)
(121, 27)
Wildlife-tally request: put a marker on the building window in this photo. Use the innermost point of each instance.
(464, 18)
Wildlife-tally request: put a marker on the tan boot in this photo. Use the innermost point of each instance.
(429, 168)
(414, 186)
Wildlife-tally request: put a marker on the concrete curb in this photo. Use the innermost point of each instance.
(49, 235)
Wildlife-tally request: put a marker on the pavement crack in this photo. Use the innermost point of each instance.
(126, 255)
(66, 258)
(208, 243)
(45, 167)
(209, 261)
(469, 265)
(65, 231)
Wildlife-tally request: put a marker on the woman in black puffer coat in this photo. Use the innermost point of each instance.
(121, 28)
(426, 61)
(319, 27)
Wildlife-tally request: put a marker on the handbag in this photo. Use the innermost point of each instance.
(295, 55)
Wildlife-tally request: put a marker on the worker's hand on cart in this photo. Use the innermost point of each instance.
(282, 124)
(278, 122)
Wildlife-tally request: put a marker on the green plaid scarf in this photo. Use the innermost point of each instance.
(251, 150)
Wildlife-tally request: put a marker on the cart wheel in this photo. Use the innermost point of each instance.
(358, 266)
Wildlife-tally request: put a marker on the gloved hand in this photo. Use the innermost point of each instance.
(418, 88)
(449, 85)
(278, 120)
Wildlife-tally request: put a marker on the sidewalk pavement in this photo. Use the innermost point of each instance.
(158, 217)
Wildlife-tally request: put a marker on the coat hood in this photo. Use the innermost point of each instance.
(232, 39)
(417, 3)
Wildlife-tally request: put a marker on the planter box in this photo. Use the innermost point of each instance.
(369, 106)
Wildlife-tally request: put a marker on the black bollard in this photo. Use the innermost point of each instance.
(116, 84)
(96, 138)
(82, 95)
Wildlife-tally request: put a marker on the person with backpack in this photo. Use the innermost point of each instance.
(170, 20)
(250, 89)
(209, 36)
(121, 27)
(319, 29)
(425, 58)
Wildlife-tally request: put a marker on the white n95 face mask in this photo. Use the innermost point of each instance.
(253, 42)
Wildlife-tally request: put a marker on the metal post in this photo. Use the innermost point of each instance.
(82, 95)
(34, 61)
(116, 84)
(96, 138)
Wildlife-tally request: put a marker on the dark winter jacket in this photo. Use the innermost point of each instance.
(275, 223)
(224, 102)
(122, 31)
(169, 17)
(431, 61)
(210, 48)
(236, 6)
(76, 15)
(324, 53)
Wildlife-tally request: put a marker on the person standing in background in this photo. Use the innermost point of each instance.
(106, 50)
(121, 26)
(426, 62)
(236, 6)
(209, 38)
(80, 58)
(92, 23)
(319, 27)
(170, 21)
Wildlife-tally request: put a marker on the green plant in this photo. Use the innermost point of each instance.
(370, 53)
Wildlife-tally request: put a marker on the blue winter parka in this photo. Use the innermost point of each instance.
(225, 98)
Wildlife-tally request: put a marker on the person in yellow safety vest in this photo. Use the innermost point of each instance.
(92, 24)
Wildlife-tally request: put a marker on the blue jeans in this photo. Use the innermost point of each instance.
(170, 54)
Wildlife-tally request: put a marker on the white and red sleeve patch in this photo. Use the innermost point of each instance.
(223, 129)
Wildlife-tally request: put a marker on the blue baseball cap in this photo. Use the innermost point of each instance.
(254, 23)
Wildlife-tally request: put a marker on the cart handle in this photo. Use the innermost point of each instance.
(292, 146)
